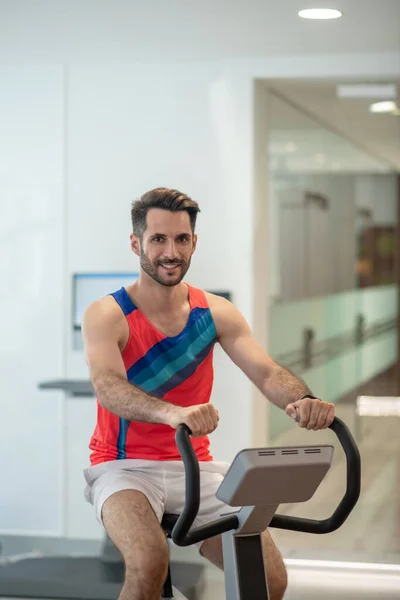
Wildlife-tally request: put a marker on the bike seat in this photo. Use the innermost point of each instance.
(168, 523)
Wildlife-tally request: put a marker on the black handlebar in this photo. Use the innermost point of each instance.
(183, 537)
(350, 498)
(180, 533)
(192, 472)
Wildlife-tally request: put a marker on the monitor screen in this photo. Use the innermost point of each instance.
(88, 287)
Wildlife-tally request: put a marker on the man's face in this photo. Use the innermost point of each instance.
(166, 247)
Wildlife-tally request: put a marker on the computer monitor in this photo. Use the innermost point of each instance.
(88, 287)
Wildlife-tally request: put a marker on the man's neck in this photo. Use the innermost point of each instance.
(159, 298)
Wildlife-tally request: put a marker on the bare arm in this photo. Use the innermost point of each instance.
(276, 383)
(104, 329)
(105, 334)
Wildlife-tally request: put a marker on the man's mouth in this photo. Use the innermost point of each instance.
(170, 266)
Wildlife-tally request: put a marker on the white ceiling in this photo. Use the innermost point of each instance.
(135, 30)
(329, 133)
(124, 31)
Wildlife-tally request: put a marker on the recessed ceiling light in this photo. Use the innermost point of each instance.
(320, 13)
(383, 107)
(383, 91)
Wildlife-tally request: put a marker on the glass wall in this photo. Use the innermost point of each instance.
(333, 314)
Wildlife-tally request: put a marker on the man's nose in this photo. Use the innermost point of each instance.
(170, 250)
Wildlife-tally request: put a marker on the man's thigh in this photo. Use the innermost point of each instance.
(117, 477)
(133, 526)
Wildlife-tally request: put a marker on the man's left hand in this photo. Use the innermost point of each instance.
(311, 413)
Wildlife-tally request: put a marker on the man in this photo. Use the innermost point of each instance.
(149, 350)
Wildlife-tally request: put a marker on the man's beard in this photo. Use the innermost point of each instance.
(153, 270)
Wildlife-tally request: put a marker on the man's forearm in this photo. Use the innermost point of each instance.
(283, 388)
(127, 401)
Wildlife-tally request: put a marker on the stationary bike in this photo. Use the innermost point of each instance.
(258, 480)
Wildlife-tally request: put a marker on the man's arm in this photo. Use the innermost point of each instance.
(105, 332)
(277, 383)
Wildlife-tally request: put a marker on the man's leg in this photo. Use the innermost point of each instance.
(134, 528)
(274, 565)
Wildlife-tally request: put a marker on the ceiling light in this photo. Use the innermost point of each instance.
(375, 91)
(320, 13)
(383, 107)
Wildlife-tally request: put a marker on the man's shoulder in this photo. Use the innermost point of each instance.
(215, 300)
(212, 300)
(103, 310)
(222, 311)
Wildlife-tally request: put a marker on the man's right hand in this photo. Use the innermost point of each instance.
(201, 419)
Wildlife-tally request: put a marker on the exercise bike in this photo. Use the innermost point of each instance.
(258, 480)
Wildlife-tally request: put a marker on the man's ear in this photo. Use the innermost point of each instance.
(194, 242)
(135, 244)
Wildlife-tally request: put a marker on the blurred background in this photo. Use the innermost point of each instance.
(286, 130)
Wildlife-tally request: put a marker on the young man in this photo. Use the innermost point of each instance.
(149, 350)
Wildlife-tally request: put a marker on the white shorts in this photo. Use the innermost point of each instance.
(163, 484)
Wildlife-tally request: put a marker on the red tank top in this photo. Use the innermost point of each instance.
(177, 369)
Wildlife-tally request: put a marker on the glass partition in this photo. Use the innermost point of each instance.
(333, 318)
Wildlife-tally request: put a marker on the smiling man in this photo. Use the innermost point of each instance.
(149, 348)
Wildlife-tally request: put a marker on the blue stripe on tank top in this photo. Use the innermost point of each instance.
(180, 376)
(171, 348)
(167, 368)
(175, 380)
(185, 342)
(159, 392)
(124, 300)
(121, 443)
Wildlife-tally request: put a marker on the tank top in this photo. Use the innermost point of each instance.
(176, 369)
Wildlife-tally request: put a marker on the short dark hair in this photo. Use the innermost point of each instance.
(166, 199)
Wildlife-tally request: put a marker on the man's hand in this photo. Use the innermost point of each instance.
(201, 419)
(311, 413)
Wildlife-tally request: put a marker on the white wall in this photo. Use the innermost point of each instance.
(32, 298)
(131, 129)
(125, 130)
